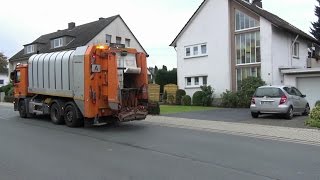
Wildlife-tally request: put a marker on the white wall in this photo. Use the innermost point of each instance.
(5, 78)
(117, 29)
(266, 50)
(276, 51)
(210, 26)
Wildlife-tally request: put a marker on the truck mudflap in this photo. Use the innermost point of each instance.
(132, 114)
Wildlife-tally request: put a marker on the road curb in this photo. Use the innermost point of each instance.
(286, 134)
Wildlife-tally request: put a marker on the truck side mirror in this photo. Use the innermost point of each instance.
(12, 75)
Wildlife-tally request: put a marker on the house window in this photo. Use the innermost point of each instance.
(57, 42)
(245, 72)
(1, 82)
(248, 48)
(296, 50)
(127, 41)
(197, 50)
(204, 49)
(196, 81)
(189, 81)
(188, 52)
(204, 80)
(108, 38)
(118, 40)
(244, 21)
(30, 49)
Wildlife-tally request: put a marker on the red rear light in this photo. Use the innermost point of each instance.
(253, 101)
(283, 99)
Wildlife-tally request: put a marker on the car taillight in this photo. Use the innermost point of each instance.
(253, 101)
(283, 99)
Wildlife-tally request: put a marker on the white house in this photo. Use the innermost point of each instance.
(225, 41)
(103, 31)
(4, 79)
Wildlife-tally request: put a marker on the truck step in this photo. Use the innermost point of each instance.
(36, 103)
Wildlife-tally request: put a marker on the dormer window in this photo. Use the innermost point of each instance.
(57, 42)
(30, 49)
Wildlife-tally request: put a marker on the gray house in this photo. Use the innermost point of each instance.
(102, 31)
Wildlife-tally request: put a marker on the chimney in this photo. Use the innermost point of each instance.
(257, 3)
(101, 18)
(71, 25)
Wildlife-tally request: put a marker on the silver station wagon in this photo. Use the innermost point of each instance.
(284, 100)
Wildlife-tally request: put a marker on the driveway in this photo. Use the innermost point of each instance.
(242, 116)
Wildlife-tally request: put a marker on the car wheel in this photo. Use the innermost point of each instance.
(254, 115)
(71, 118)
(55, 114)
(306, 110)
(289, 114)
(22, 109)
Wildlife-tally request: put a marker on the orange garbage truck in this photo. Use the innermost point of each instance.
(90, 85)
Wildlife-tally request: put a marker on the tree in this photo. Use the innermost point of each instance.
(164, 77)
(3, 63)
(315, 30)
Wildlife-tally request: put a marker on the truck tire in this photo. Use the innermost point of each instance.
(55, 114)
(22, 109)
(71, 116)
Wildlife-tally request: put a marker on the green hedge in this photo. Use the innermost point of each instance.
(197, 98)
(179, 94)
(186, 100)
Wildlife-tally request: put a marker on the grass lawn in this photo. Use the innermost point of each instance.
(170, 109)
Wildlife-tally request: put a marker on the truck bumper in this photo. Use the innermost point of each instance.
(132, 114)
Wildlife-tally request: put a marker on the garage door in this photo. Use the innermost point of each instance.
(310, 86)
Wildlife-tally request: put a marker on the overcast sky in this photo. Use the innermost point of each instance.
(154, 22)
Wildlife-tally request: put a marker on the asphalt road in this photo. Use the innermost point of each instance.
(242, 116)
(36, 149)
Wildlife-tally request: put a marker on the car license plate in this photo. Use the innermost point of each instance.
(266, 103)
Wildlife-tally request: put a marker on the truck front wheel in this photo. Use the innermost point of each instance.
(71, 117)
(22, 109)
(55, 114)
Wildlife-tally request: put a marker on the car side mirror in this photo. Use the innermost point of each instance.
(303, 96)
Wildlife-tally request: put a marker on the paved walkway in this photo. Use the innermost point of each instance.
(296, 135)
(6, 104)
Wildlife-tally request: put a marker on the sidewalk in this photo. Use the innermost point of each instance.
(6, 104)
(296, 135)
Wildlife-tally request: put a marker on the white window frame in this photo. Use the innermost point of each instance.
(193, 83)
(127, 42)
(58, 42)
(295, 45)
(118, 38)
(249, 19)
(30, 49)
(192, 53)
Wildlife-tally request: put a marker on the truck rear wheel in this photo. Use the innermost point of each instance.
(22, 109)
(71, 116)
(55, 114)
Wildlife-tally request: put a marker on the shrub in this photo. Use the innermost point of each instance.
(186, 100)
(313, 123)
(197, 98)
(315, 113)
(154, 108)
(317, 103)
(207, 98)
(229, 99)
(8, 99)
(7, 88)
(179, 94)
(164, 97)
(247, 89)
(170, 99)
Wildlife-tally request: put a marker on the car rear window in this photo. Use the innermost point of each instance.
(268, 92)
